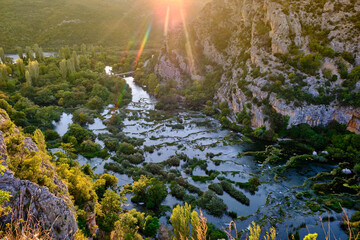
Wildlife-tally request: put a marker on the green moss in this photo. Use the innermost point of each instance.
(251, 185)
(315, 207)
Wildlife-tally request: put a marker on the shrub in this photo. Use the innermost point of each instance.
(251, 185)
(79, 133)
(95, 103)
(51, 135)
(177, 191)
(232, 191)
(232, 214)
(353, 78)
(310, 63)
(126, 148)
(349, 57)
(173, 161)
(202, 178)
(214, 233)
(149, 190)
(89, 146)
(154, 168)
(151, 226)
(212, 203)
(115, 167)
(149, 149)
(217, 188)
(136, 158)
(82, 117)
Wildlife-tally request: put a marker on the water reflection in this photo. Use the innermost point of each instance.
(197, 135)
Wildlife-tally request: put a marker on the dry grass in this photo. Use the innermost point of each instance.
(350, 230)
(25, 229)
(201, 228)
(28, 229)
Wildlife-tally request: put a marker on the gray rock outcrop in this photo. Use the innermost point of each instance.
(54, 212)
(246, 37)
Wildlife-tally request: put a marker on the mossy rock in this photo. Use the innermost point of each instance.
(315, 207)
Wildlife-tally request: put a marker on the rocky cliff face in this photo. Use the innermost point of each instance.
(54, 211)
(291, 56)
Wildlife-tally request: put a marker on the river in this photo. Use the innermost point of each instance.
(200, 136)
(15, 56)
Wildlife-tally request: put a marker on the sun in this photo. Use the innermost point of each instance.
(168, 12)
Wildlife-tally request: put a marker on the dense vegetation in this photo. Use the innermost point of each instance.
(109, 23)
(36, 90)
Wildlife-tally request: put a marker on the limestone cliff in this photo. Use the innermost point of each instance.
(54, 210)
(293, 56)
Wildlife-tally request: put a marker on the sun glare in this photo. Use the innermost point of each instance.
(166, 14)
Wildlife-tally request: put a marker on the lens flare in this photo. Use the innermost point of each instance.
(188, 49)
(142, 46)
(166, 25)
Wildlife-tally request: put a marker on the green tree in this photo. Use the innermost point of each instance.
(152, 82)
(70, 64)
(195, 223)
(20, 67)
(29, 53)
(95, 103)
(33, 68)
(99, 67)
(65, 52)
(79, 133)
(149, 190)
(75, 59)
(3, 73)
(44, 96)
(151, 226)
(180, 220)
(63, 68)
(105, 182)
(126, 148)
(82, 116)
(80, 185)
(2, 55)
(111, 203)
(19, 51)
(40, 140)
(128, 225)
(100, 91)
(28, 78)
(39, 56)
(83, 49)
(108, 210)
(84, 62)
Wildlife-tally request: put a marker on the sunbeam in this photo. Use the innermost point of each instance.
(166, 25)
(142, 45)
(188, 44)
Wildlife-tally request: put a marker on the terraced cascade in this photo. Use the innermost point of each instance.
(208, 154)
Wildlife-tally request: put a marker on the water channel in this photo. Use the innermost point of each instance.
(199, 136)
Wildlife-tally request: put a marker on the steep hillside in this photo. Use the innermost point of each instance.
(32, 181)
(60, 22)
(294, 58)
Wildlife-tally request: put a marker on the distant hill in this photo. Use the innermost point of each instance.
(108, 22)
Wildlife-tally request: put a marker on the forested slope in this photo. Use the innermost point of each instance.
(60, 22)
